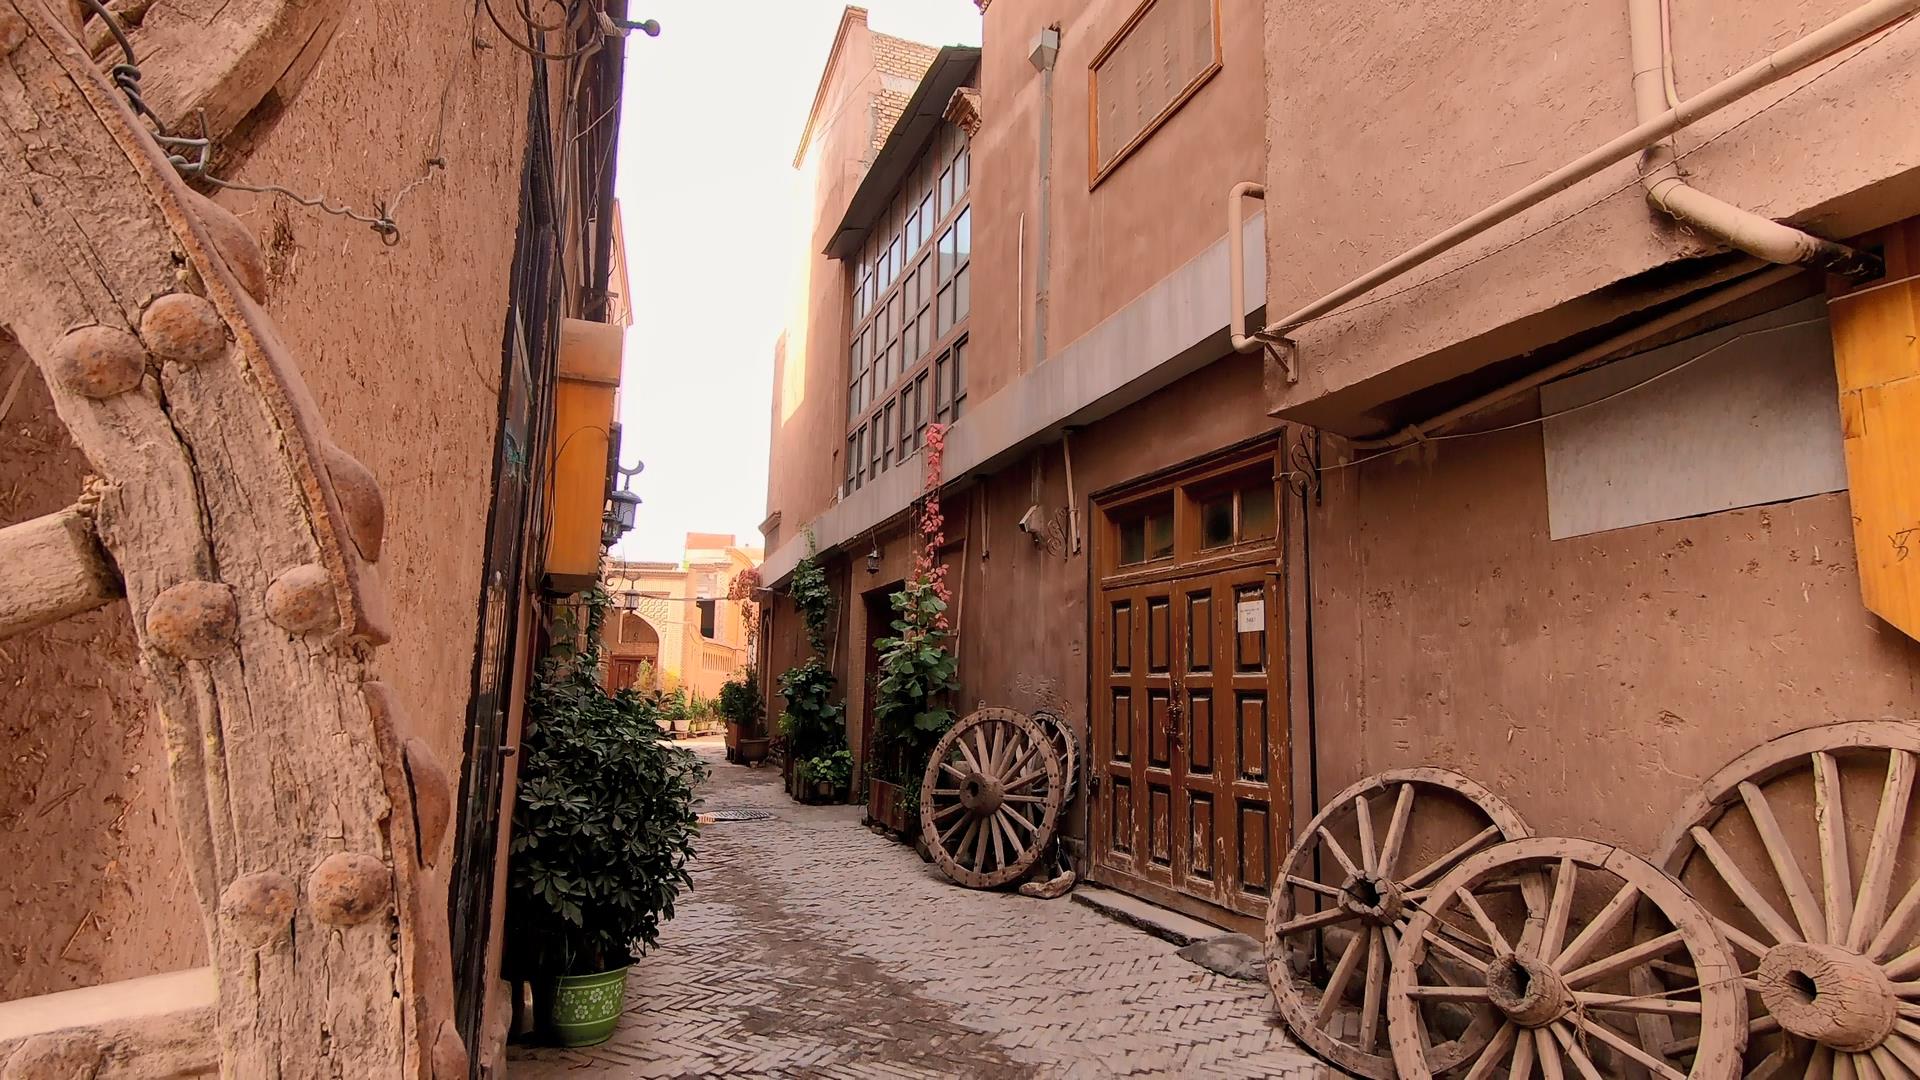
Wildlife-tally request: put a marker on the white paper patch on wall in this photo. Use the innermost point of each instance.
(1756, 419)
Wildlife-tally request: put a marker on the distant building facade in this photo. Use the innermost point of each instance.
(672, 623)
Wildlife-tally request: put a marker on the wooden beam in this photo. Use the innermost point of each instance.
(140, 1029)
(50, 568)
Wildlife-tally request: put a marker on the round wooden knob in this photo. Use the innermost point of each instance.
(193, 620)
(348, 888)
(99, 361)
(183, 327)
(257, 908)
(302, 600)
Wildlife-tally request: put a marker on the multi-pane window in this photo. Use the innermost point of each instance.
(912, 293)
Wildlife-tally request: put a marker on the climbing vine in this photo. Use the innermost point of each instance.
(914, 694)
(813, 724)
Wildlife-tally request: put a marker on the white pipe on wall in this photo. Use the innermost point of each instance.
(1811, 49)
(1236, 266)
(1742, 229)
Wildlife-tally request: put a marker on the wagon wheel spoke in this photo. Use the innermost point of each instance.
(1563, 1033)
(1396, 831)
(1605, 921)
(1357, 952)
(1786, 868)
(1440, 865)
(1813, 926)
(1541, 987)
(1363, 821)
(1335, 923)
(984, 825)
(1494, 1054)
(1876, 878)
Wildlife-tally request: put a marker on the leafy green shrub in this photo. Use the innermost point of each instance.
(812, 721)
(739, 702)
(603, 823)
(834, 768)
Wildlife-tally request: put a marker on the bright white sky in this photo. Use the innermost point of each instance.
(709, 123)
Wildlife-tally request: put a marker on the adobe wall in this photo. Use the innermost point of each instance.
(810, 363)
(1109, 243)
(1591, 681)
(1448, 107)
(401, 347)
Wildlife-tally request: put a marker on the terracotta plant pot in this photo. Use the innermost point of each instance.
(751, 751)
(734, 731)
(582, 1010)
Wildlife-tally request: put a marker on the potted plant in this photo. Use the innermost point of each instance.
(740, 704)
(603, 828)
(828, 775)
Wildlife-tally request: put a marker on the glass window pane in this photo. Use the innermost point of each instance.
(946, 192)
(900, 360)
(1160, 535)
(960, 164)
(1257, 517)
(946, 255)
(899, 251)
(1133, 541)
(946, 310)
(927, 220)
(1216, 520)
(963, 236)
(942, 384)
(962, 294)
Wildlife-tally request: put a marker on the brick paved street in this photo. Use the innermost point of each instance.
(809, 947)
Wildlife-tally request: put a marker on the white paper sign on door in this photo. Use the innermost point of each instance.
(1251, 616)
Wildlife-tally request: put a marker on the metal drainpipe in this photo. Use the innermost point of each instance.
(1742, 229)
(1236, 266)
(1852, 27)
(1046, 50)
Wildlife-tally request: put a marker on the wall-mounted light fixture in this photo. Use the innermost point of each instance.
(623, 508)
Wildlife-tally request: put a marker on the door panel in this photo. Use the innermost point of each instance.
(1194, 811)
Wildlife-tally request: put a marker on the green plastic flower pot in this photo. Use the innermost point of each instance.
(585, 1008)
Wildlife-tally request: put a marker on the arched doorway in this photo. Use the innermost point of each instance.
(635, 642)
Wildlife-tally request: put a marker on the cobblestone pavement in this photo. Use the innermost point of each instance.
(809, 947)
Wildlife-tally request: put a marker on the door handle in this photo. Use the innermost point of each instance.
(1174, 712)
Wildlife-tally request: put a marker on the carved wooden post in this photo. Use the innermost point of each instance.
(247, 545)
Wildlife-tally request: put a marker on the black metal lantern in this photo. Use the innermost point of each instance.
(630, 600)
(873, 560)
(623, 508)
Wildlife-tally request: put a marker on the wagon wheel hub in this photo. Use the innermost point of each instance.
(1375, 899)
(1531, 993)
(1829, 994)
(981, 794)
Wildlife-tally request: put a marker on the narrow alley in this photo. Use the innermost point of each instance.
(810, 947)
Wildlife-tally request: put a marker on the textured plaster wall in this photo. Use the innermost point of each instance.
(1161, 207)
(1450, 630)
(401, 347)
(810, 364)
(1405, 118)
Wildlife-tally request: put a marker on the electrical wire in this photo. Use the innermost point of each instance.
(1544, 417)
(527, 47)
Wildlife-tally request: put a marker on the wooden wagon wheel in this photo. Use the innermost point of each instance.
(1770, 846)
(1534, 931)
(991, 798)
(1067, 744)
(246, 544)
(1345, 897)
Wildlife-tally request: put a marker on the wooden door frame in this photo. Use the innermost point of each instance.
(1285, 661)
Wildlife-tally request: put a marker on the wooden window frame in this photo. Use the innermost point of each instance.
(1096, 172)
(1229, 467)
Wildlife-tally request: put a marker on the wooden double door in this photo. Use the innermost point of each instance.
(1190, 732)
